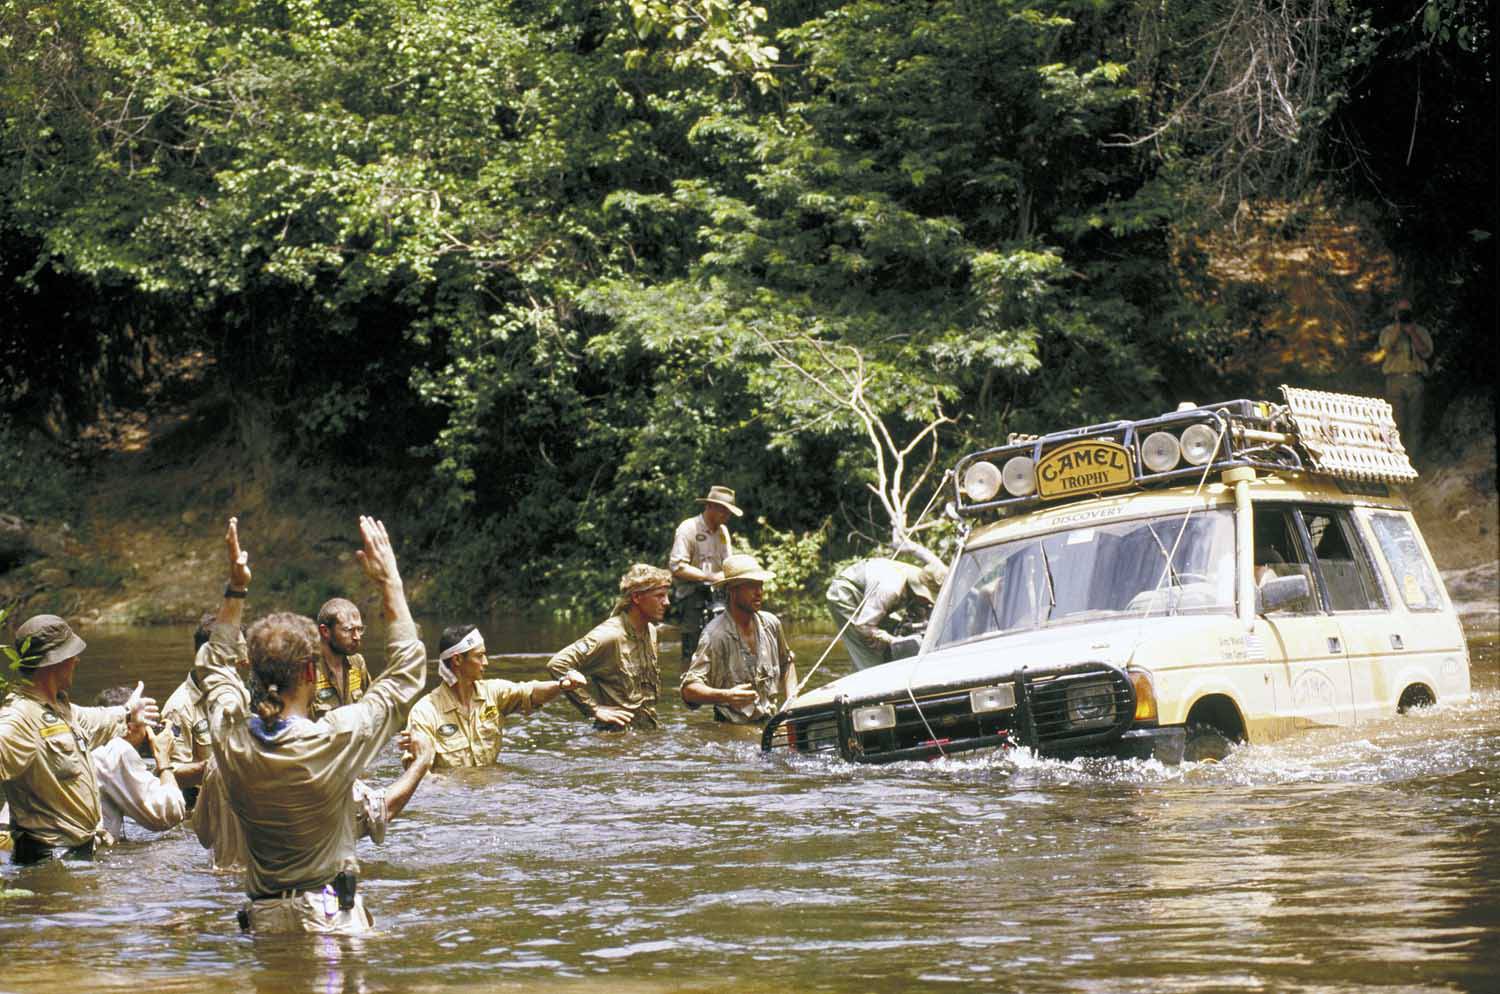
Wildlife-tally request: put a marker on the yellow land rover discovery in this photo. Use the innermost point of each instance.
(1165, 588)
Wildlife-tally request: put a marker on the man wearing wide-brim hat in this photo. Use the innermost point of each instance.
(45, 741)
(743, 658)
(699, 549)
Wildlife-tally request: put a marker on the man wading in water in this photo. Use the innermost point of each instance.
(465, 714)
(619, 655)
(289, 779)
(744, 657)
(342, 674)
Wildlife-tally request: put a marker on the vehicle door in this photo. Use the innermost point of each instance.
(1421, 635)
(1352, 592)
(1312, 688)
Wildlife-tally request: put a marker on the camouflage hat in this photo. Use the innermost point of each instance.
(929, 581)
(48, 641)
(643, 576)
(743, 568)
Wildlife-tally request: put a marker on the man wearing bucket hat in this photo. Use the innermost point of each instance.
(699, 549)
(744, 657)
(864, 596)
(45, 740)
(619, 656)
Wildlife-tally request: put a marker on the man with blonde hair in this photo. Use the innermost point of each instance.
(619, 655)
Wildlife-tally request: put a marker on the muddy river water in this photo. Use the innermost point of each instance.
(1363, 859)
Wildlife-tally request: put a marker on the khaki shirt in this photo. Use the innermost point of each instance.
(218, 827)
(186, 714)
(472, 737)
(291, 784)
(884, 587)
(723, 660)
(696, 545)
(45, 767)
(329, 696)
(622, 669)
(1400, 356)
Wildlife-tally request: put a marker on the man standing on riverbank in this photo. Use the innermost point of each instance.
(699, 549)
(342, 675)
(45, 740)
(744, 656)
(1407, 347)
(619, 656)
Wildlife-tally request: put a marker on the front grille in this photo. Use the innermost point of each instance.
(1056, 712)
(1078, 707)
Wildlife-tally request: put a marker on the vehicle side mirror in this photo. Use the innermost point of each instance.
(906, 646)
(1275, 594)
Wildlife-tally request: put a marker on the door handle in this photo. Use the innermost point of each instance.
(1396, 642)
(1334, 645)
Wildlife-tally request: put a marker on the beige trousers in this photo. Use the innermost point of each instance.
(313, 911)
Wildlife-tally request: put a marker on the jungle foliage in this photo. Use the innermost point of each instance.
(549, 267)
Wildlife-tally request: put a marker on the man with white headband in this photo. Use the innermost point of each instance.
(619, 656)
(465, 715)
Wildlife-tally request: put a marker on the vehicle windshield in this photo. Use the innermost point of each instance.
(1173, 564)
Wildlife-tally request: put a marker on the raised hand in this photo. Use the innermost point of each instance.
(378, 559)
(142, 710)
(239, 559)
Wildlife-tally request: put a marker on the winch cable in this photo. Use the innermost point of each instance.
(896, 551)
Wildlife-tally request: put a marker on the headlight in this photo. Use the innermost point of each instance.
(1091, 704)
(1160, 451)
(873, 719)
(1145, 695)
(1198, 444)
(999, 698)
(981, 481)
(1020, 476)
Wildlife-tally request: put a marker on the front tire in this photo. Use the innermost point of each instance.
(1205, 743)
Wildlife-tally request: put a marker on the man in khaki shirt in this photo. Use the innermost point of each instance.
(290, 779)
(342, 674)
(619, 656)
(744, 658)
(186, 716)
(699, 548)
(45, 740)
(465, 715)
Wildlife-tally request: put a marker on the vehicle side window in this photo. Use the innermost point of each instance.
(1345, 564)
(1279, 552)
(1398, 544)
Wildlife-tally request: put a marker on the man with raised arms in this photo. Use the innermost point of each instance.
(290, 779)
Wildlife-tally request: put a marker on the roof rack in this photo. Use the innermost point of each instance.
(1337, 435)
